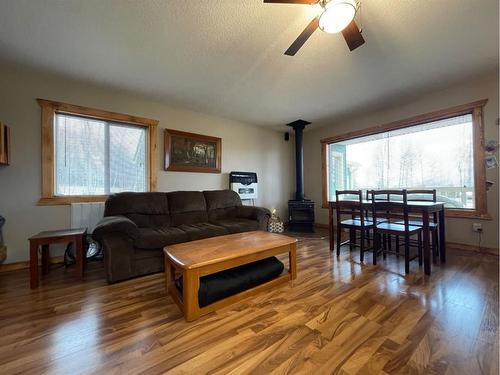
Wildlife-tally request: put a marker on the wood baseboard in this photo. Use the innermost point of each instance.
(474, 248)
(26, 264)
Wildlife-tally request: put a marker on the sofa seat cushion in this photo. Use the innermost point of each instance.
(157, 238)
(238, 225)
(235, 280)
(198, 231)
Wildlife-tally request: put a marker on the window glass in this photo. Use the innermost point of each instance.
(436, 155)
(94, 157)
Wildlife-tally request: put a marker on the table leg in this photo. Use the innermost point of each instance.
(330, 227)
(442, 237)
(80, 256)
(426, 244)
(33, 265)
(168, 273)
(45, 259)
(292, 259)
(191, 280)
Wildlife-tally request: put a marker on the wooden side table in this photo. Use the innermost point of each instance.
(47, 238)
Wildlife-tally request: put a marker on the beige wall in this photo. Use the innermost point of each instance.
(458, 230)
(245, 147)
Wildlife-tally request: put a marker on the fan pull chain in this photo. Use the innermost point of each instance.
(360, 18)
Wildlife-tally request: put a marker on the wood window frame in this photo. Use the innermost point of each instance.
(476, 109)
(49, 110)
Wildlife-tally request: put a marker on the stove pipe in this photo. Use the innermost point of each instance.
(298, 127)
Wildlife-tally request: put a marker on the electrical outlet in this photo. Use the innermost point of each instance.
(477, 227)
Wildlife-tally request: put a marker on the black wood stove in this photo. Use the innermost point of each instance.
(300, 209)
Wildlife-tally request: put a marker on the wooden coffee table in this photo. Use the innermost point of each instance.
(204, 257)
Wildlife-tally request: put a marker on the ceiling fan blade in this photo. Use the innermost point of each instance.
(302, 38)
(353, 36)
(307, 2)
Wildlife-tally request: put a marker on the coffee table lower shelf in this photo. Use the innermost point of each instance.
(188, 301)
(195, 312)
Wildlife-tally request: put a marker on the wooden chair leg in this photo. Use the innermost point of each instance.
(407, 254)
(339, 238)
(437, 240)
(420, 249)
(397, 245)
(362, 246)
(376, 246)
(352, 239)
(385, 247)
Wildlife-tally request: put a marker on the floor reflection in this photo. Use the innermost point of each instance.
(78, 333)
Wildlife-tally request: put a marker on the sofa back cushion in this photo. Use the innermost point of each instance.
(146, 210)
(222, 204)
(187, 207)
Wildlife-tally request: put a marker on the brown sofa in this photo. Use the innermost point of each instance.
(136, 226)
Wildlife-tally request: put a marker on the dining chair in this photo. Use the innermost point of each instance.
(397, 224)
(386, 239)
(354, 208)
(425, 195)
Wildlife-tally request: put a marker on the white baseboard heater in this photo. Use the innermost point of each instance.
(86, 215)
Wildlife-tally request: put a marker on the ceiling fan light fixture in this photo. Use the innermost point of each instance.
(337, 15)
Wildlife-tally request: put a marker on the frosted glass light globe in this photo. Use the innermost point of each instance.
(337, 15)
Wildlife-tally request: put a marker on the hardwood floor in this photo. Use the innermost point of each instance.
(338, 317)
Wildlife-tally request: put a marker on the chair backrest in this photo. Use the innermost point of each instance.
(386, 197)
(390, 209)
(422, 195)
(352, 206)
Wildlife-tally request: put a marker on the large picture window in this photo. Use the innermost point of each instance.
(88, 154)
(442, 151)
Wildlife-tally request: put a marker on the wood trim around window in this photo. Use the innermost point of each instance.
(49, 109)
(474, 108)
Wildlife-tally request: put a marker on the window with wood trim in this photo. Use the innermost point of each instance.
(88, 154)
(442, 150)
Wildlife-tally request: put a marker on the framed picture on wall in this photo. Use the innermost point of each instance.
(189, 152)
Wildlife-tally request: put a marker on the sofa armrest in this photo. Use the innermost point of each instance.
(115, 224)
(261, 214)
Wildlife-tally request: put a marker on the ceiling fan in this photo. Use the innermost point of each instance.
(336, 16)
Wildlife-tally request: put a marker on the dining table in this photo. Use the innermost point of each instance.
(422, 209)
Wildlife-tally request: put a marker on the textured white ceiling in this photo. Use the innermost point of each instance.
(225, 57)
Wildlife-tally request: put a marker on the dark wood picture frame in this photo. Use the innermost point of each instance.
(4, 144)
(171, 165)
